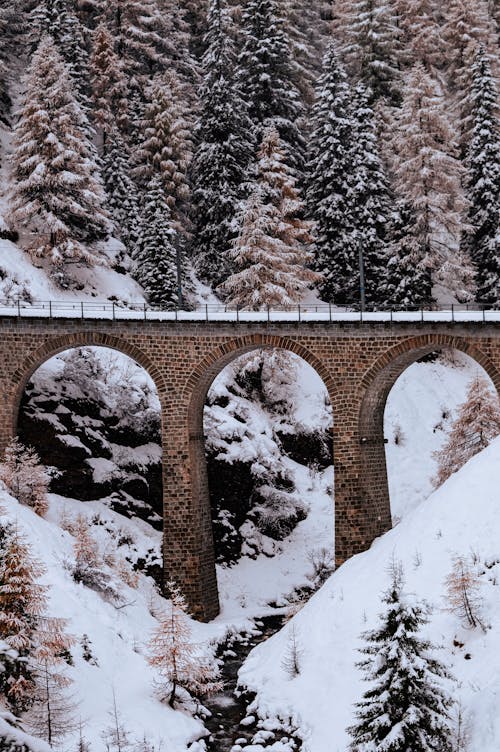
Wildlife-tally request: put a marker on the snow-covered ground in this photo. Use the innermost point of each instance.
(459, 518)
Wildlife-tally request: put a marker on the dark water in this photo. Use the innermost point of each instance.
(227, 707)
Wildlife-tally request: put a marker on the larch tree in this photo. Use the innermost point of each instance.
(179, 661)
(266, 76)
(271, 253)
(422, 40)
(25, 476)
(428, 176)
(463, 593)
(406, 706)
(222, 153)
(371, 45)
(476, 425)
(331, 162)
(482, 240)
(57, 194)
(157, 265)
(109, 86)
(166, 146)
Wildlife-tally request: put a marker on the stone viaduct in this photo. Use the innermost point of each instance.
(358, 362)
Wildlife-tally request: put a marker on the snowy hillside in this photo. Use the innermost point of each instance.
(461, 518)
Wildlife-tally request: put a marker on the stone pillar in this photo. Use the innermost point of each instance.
(188, 550)
(362, 507)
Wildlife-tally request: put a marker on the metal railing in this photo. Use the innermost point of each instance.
(109, 310)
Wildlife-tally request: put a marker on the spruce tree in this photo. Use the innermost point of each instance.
(156, 259)
(222, 153)
(371, 201)
(121, 191)
(271, 251)
(330, 167)
(428, 173)
(136, 28)
(57, 193)
(371, 45)
(406, 707)
(482, 241)
(266, 76)
(166, 146)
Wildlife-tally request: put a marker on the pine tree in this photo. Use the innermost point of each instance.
(406, 707)
(56, 193)
(222, 154)
(121, 191)
(176, 657)
(428, 174)
(331, 164)
(271, 252)
(266, 77)
(482, 242)
(25, 477)
(156, 259)
(166, 146)
(370, 48)
(476, 425)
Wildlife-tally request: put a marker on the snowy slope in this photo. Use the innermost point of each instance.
(462, 517)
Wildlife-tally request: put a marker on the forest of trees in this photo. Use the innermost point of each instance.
(258, 145)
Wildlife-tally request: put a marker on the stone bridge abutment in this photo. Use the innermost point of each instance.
(358, 362)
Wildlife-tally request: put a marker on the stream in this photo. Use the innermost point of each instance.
(229, 708)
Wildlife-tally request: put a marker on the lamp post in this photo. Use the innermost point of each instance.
(361, 261)
(180, 299)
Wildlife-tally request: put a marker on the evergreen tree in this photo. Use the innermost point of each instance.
(482, 241)
(222, 154)
(428, 174)
(166, 146)
(57, 194)
(308, 32)
(406, 707)
(156, 264)
(266, 76)
(329, 176)
(476, 425)
(371, 201)
(371, 33)
(136, 27)
(121, 191)
(270, 252)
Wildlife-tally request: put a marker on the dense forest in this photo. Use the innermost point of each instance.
(257, 146)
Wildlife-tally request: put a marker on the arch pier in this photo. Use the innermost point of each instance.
(358, 361)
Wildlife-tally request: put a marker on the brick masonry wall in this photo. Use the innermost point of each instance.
(358, 363)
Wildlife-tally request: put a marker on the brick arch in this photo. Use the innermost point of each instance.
(55, 345)
(201, 378)
(374, 389)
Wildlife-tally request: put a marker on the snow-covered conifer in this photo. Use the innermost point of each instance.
(156, 256)
(179, 661)
(57, 194)
(476, 425)
(271, 251)
(121, 191)
(482, 241)
(370, 48)
(136, 28)
(222, 153)
(166, 145)
(406, 706)
(25, 476)
(330, 166)
(428, 173)
(266, 76)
